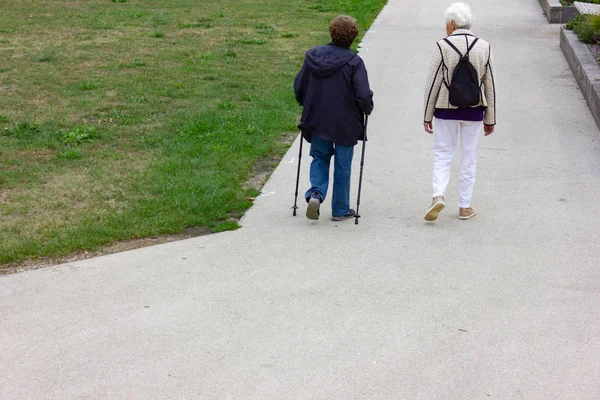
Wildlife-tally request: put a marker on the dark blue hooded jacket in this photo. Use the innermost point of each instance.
(333, 88)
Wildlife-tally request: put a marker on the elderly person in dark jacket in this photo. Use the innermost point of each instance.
(333, 88)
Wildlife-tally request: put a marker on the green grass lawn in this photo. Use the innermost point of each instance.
(125, 119)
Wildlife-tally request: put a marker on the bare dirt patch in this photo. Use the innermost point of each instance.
(263, 168)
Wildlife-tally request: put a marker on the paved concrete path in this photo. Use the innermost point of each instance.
(505, 306)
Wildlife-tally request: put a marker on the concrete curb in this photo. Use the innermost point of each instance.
(556, 13)
(585, 69)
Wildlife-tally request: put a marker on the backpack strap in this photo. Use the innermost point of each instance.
(469, 48)
(454, 47)
(472, 45)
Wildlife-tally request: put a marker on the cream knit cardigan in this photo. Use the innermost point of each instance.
(445, 59)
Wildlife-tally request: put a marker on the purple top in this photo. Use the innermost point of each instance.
(461, 114)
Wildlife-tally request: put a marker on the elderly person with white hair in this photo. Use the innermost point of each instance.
(461, 96)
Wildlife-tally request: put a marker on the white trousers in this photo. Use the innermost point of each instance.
(446, 133)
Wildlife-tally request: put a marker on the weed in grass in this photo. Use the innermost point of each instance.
(136, 63)
(173, 92)
(288, 35)
(45, 56)
(22, 130)
(226, 226)
(149, 140)
(249, 41)
(137, 99)
(233, 85)
(201, 23)
(320, 7)
(161, 19)
(218, 15)
(203, 58)
(6, 30)
(135, 14)
(291, 127)
(264, 29)
(4, 40)
(230, 57)
(89, 85)
(281, 74)
(119, 1)
(247, 97)
(5, 69)
(125, 114)
(203, 126)
(77, 136)
(251, 130)
(159, 34)
(211, 78)
(103, 25)
(226, 105)
(70, 154)
(4, 119)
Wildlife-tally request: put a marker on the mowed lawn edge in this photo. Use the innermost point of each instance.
(135, 119)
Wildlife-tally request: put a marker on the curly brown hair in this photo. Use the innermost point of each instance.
(343, 30)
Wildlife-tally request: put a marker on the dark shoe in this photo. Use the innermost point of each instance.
(312, 211)
(350, 214)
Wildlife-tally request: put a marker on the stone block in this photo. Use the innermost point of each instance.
(585, 69)
(556, 13)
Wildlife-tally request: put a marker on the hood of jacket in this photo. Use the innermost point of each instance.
(328, 59)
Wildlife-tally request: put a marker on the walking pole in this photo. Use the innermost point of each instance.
(362, 163)
(298, 176)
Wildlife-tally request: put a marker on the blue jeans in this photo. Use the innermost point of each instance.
(321, 151)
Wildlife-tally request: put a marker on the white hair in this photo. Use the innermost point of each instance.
(461, 14)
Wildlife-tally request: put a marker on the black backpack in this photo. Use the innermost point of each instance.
(464, 88)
